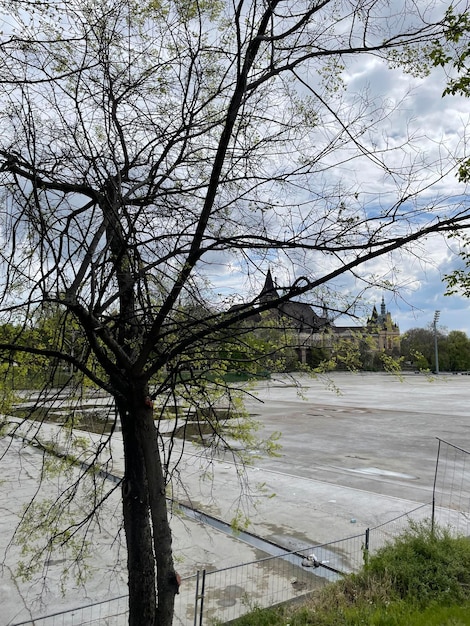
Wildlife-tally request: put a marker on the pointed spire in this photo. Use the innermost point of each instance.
(269, 290)
(383, 310)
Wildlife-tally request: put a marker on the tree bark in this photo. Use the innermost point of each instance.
(146, 524)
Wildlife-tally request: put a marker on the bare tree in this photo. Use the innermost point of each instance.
(145, 145)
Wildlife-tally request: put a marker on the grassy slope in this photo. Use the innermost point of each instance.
(421, 579)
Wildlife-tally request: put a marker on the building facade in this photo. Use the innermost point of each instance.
(318, 335)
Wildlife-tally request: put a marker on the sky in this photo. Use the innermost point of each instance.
(442, 124)
(439, 126)
(417, 128)
(426, 295)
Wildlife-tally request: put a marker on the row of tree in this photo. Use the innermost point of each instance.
(418, 348)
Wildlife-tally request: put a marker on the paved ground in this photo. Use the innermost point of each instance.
(357, 451)
(363, 453)
(375, 421)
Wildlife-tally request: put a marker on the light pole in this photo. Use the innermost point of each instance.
(436, 354)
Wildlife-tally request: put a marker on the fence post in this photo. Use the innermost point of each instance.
(365, 552)
(433, 510)
(196, 598)
(199, 596)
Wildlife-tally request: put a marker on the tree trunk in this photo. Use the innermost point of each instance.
(146, 524)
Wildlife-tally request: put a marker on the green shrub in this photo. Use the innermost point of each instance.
(424, 564)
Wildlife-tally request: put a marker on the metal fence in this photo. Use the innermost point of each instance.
(451, 492)
(225, 594)
(222, 595)
(106, 613)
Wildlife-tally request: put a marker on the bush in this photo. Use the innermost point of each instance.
(426, 564)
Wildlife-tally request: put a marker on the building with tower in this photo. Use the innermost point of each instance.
(383, 328)
(317, 333)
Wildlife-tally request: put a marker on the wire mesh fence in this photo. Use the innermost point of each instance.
(222, 595)
(379, 536)
(229, 593)
(111, 612)
(451, 493)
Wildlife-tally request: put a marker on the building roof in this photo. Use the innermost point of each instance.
(300, 315)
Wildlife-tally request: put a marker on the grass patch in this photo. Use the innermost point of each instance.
(442, 616)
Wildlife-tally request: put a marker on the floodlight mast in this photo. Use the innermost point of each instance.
(436, 353)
